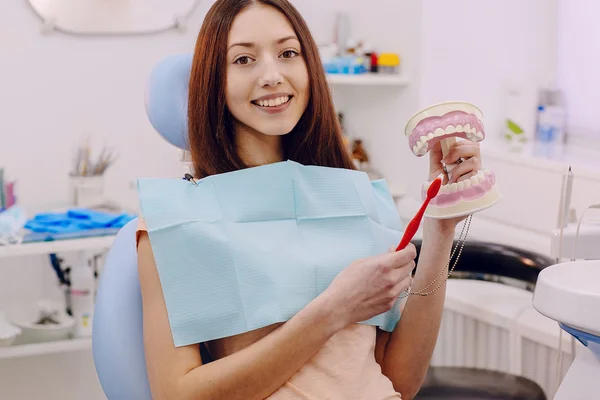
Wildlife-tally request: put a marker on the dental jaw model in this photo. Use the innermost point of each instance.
(445, 122)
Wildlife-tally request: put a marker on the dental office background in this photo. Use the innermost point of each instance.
(56, 89)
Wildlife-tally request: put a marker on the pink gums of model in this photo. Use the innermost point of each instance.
(446, 122)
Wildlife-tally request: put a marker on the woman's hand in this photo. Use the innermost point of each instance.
(371, 286)
(466, 151)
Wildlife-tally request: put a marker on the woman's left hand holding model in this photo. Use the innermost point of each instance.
(405, 353)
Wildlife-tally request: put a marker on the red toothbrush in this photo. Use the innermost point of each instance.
(413, 225)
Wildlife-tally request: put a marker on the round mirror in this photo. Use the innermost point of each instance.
(98, 17)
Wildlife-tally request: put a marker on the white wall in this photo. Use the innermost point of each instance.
(578, 41)
(54, 88)
(57, 88)
(481, 47)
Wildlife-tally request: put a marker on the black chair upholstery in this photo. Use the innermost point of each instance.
(480, 257)
(450, 383)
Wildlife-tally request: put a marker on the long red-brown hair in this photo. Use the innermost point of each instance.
(315, 140)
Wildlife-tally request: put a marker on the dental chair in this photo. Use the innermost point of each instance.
(117, 340)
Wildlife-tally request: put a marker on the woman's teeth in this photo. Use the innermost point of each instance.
(273, 102)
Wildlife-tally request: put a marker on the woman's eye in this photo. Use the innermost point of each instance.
(289, 54)
(243, 60)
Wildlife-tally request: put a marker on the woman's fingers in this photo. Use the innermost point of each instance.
(397, 259)
(466, 176)
(465, 170)
(403, 285)
(464, 150)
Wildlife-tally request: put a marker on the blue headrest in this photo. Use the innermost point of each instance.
(117, 335)
(167, 98)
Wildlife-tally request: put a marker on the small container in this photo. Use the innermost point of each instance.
(82, 294)
(8, 332)
(33, 330)
(87, 191)
(389, 63)
(373, 66)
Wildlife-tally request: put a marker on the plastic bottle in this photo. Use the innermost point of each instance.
(551, 123)
(342, 32)
(83, 288)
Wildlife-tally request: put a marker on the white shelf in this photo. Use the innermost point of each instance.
(367, 79)
(56, 246)
(37, 349)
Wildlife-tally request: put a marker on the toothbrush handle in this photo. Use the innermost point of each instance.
(412, 227)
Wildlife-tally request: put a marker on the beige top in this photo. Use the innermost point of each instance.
(344, 369)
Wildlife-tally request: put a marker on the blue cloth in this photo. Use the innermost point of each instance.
(250, 248)
(76, 221)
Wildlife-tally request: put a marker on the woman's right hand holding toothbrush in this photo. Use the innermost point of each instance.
(371, 286)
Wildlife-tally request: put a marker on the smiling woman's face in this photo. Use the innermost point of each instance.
(267, 79)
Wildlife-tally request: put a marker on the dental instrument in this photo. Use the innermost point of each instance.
(565, 198)
(569, 293)
(444, 123)
(563, 208)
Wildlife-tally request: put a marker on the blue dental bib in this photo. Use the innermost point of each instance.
(246, 249)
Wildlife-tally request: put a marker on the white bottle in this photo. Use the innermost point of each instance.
(551, 124)
(83, 288)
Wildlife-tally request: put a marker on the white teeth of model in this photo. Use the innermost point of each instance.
(459, 128)
(460, 185)
(430, 135)
(466, 184)
(487, 172)
(423, 139)
(450, 129)
(467, 128)
(439, 132)
(453, 188)
(474, 180)
(479, 134)
(415, 149)
(445, 189)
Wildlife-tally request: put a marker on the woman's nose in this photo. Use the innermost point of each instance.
(271, 75)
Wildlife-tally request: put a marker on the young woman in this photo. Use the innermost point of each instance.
(258, 95)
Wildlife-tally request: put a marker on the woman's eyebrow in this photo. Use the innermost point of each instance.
(251, 45)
